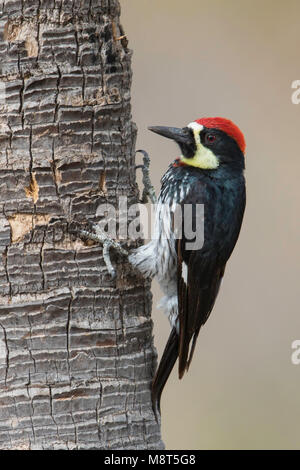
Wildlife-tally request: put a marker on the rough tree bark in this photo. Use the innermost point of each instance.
(76, 348)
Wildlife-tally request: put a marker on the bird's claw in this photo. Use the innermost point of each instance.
(94, 231)
(100, 237)
(148, 191)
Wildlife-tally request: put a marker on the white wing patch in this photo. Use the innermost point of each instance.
(184, 272)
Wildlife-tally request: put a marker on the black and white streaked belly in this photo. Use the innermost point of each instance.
(158, 258)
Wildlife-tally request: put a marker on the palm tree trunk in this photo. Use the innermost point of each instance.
(76, 348)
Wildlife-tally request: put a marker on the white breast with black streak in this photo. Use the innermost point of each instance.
(158, 258)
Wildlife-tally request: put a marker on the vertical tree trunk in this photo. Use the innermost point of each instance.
(76, 350)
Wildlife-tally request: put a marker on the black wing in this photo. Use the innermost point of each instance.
(200, 272)
(195, 302)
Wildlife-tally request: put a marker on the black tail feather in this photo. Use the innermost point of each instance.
(165, 367)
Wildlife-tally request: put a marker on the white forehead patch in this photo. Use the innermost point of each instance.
(195, 126)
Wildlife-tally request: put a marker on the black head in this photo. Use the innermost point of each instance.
(208, 143)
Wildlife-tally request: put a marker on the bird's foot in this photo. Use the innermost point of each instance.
(148, 191)
(99, 236)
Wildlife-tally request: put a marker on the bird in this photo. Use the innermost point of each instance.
(209, 173)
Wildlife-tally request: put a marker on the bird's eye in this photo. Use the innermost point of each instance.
(210, 138)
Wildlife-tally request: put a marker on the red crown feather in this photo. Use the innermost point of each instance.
(227, 126)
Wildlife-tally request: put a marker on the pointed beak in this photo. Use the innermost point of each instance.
(181, 136)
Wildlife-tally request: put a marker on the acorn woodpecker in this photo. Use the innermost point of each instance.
(209, 172)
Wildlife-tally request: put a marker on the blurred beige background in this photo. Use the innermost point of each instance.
(235, 59)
